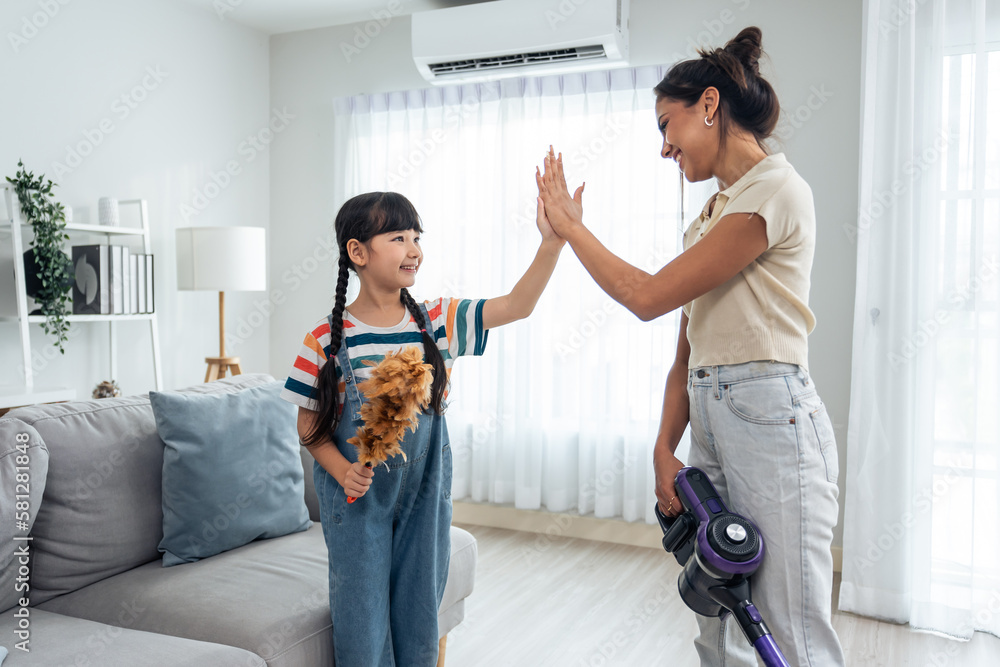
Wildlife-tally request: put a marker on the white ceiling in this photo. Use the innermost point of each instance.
(277, 16)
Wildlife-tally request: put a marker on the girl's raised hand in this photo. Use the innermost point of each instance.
(544, 226)
(563, 212)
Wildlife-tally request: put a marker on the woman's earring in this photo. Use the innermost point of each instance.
(707, 123)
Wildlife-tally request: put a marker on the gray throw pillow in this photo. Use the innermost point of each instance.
(231, 470)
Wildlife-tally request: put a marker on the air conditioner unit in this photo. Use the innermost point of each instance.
(505, 38)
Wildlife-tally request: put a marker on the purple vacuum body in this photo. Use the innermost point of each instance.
(719, 551)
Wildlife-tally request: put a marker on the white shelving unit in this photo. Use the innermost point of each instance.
(28, 392)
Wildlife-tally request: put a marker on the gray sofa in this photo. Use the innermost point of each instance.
(98, 592)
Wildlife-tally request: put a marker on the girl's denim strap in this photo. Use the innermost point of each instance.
(352, 396)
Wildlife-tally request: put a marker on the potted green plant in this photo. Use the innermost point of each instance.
(45, 258)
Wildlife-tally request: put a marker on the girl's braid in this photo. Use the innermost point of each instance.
(431, 351)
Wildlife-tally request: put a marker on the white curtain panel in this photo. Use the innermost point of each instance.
(562, 411)
(921, 526)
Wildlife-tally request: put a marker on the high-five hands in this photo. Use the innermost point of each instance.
(549, 235)
(562, 211)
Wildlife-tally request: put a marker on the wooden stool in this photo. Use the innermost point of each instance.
(217, 367)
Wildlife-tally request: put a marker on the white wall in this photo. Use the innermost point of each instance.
(210, 95)
(815, 52)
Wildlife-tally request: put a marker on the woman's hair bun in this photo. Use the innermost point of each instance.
(746, 48)
(745, 96)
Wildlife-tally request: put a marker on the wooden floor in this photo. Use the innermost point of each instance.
(546, 600)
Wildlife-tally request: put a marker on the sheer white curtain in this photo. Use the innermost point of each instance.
(562, 411)
(921, 520)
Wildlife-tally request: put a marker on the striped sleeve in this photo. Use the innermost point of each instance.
(462, 324)
(302, 379)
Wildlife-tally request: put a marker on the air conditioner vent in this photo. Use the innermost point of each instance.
(487, 41)
(518, 60)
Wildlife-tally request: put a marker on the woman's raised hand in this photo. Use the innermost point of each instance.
(562, 211)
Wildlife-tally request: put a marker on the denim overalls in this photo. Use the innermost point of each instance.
(393, 543)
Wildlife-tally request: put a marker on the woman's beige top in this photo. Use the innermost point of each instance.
(761, 313)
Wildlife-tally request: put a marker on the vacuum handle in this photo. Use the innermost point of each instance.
(758, 634)
(351, 499)
(769, 652)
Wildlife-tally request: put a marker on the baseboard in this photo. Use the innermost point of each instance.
(570, 525)
(556, 524)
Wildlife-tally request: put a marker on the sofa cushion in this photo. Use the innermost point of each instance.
(24, 462)
(461, 578)
(63, 640)
(270, 597)
(100, 513)
(232, 471)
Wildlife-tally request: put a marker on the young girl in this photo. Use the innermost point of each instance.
(389, 550)
(758, 427)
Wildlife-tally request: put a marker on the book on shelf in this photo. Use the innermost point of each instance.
(90, 279)
(133, 283)
(105, 286)
(117, 306)
(126, 281)
(149, 284)
(111, 280)
(140, 273)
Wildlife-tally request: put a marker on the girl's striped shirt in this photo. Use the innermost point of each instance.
(456, 327)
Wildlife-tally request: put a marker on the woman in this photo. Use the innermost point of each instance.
(758, 427)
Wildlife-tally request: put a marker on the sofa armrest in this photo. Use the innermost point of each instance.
(312, 502)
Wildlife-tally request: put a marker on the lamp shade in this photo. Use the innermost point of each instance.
(221, 259)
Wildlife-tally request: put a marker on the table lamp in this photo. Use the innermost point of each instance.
(222, 259)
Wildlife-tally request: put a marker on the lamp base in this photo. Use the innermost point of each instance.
(217, 367)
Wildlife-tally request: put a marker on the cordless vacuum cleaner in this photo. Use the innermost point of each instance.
(719, 551)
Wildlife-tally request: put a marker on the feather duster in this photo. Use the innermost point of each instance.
(398, 390)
